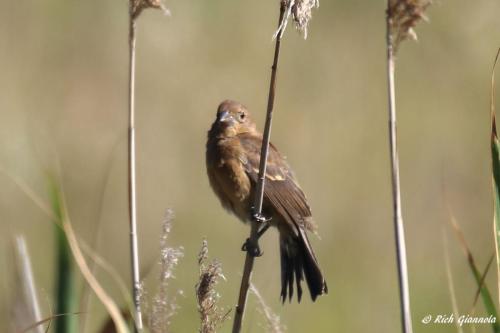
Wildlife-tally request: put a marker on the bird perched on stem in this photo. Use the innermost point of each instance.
(232, 158)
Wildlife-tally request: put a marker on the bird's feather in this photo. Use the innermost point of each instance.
(281, 188)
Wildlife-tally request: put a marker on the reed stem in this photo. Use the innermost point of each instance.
(134, 251)
(259, 195)
(396, 187)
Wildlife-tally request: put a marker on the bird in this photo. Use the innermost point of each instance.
(232, 162)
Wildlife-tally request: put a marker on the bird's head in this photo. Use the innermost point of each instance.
(232, 119)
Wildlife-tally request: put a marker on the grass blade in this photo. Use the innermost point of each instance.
(48, 320)
(495, 157)
(489, 305)
(65, 223)
(482, 282)
(451, 286)
(65, 289)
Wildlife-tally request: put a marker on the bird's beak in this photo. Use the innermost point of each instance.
(225, 116)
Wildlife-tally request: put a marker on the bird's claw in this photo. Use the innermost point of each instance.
(252, 248)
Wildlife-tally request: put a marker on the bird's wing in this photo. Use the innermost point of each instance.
(281, 189)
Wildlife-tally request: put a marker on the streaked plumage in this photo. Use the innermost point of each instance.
(232, 157)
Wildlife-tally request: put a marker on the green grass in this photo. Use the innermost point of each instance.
(65, 289)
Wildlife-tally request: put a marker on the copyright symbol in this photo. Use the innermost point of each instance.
(427, 319)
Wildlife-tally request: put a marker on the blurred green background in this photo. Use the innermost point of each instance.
(63, 104)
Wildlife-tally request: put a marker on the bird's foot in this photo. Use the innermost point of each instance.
(252, 247)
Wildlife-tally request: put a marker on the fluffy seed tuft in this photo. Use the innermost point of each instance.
(211, 315)
(137, 6)
(161, 307)
(403, 16)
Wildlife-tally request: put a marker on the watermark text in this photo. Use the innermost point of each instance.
(460, 320)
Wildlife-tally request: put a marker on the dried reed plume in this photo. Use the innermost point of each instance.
(135, 9)
(273, 322)
(137, 6)
(403, 16)
(160, 309)
(301, 12)
(211, 315)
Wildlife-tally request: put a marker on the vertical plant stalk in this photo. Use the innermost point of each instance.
(449, 277)
(65, 287)
(495, 157)
(404, 293)
(134, 251)
(259, 195)
(65, 281)
(135, 9)
(25, 277)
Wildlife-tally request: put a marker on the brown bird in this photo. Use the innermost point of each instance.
(232, 158)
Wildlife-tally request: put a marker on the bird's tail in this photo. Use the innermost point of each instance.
(298, 261)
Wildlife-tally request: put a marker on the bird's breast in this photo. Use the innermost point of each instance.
(228, 178)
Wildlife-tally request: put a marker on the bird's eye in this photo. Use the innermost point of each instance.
(242, 116)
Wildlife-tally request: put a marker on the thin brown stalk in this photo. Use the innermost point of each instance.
(48, 320)
(479, 278)
(49, 324)
(94, 243)
(106, 300)
(259, 195)
(28, 191)
(86, 299)
(451, 285)
(404, 292)
(482, 282)
(98, 261)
